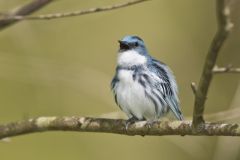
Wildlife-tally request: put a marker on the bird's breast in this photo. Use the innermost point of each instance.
(126, 76)
(131, 96)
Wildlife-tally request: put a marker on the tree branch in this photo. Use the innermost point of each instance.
(27, 9)
(224, 27)
(77, 13)
(227, 69)
(116, 126)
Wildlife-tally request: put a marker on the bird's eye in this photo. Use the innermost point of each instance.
(136, 44)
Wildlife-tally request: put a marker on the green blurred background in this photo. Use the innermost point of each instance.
(64, 67)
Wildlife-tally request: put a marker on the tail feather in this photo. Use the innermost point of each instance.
(173, 104)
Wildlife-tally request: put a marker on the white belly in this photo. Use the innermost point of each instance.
(131, 97)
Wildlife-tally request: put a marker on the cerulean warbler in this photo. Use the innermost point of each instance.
(144, 88)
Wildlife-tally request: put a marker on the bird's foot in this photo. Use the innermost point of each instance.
(130, 121)
(150, 123)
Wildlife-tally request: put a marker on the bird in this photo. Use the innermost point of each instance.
(143, 87)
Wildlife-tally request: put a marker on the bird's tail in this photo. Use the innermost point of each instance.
(173, 104)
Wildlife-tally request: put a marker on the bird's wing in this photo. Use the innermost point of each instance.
(113, 85)
(166, 86)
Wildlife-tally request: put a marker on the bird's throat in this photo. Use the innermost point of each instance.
(130, 58)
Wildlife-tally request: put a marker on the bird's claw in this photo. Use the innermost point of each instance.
(129, 122)
(150, 123)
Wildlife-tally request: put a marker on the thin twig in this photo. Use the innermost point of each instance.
(78, 13)
(227, 69)
(116, 126)
(194, 88)
(224, 27)
(27, 9)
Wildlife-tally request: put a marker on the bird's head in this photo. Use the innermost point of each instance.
(132, 43)
(132, 52)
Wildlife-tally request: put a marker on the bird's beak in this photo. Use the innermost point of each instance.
(120, 42)
(123, 44)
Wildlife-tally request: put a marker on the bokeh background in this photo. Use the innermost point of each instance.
(64, 67)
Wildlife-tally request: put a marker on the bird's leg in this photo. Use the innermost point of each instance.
(130, 121)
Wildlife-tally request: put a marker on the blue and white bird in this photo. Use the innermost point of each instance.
(144, 88)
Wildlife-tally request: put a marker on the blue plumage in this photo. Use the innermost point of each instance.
(144, 88)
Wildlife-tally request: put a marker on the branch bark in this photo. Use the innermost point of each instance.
(116, 126)
(27, 9)
(224, 28)
(77, 13)
(228, 69)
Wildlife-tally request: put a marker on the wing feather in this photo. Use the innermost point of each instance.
(167, 87)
